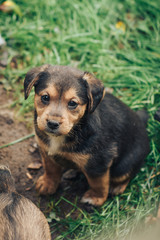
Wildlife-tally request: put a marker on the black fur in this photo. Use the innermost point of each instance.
(113, 133)
(157, 115)
(110, 135)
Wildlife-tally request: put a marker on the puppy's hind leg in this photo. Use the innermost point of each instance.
(118, 185)
(127, 167)
(99, 188)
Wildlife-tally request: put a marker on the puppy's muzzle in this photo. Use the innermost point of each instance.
(53, 125)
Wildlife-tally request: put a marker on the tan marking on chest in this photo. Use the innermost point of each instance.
(79, 159)
(55, 145)
(41, 144)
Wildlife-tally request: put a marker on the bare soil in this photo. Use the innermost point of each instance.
(20, 155)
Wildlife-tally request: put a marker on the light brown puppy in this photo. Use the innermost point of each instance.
(20, 219)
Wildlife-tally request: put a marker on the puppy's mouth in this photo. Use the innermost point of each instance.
(55, 128)
(56, 132)
(52, 132)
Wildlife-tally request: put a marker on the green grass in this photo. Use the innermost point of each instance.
(84, 34)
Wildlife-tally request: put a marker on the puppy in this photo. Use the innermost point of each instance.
(19, 217)
(78, 125)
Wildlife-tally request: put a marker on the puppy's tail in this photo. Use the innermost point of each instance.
(6, 180)
(143, 115)
(157, 115)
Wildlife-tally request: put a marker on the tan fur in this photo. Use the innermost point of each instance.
(42, 68)
(20, 219)
(49, 181)
(31, 85)
(121, 178)
(118, 188)
(41, 144)
(119, 184)
(99, 188)
(52, 91)
(55, 144)
(27, 221)
(79, 159)
(58, 110)
(71, 93)
(5, 200)
(93, 83)
(89, 78)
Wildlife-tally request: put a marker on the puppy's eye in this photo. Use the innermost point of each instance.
(45, 99)
(72, 104)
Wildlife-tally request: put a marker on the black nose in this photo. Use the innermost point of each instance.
(53, 124)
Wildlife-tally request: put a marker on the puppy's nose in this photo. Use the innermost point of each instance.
(53, 124)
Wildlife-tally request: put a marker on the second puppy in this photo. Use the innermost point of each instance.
(20, 219)
(78, 125)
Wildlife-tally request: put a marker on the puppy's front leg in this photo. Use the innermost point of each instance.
(49, 181)
(99, 188)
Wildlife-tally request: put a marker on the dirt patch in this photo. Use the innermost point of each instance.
(20, 155)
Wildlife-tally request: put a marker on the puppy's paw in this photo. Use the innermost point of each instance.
(119, 189)
(46, 185)
(91, 197)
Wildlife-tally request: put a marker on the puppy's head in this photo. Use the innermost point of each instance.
(62, 96)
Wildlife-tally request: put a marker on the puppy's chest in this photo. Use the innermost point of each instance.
(55, 145)
(64, 155)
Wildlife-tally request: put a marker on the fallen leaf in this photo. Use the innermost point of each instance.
(35, 165)
(10, 6)
(31, 149)
(35, 145)
(121, 25)
(155, 175)
(29, 175)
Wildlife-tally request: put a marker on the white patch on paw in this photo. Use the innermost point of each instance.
(87, 200)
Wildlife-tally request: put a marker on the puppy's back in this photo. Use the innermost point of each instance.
(20, 219)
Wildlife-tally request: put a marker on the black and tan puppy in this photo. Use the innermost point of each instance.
(78, 124)
(20, 219)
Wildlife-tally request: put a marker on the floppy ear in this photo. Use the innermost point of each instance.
(32, 77)
(95, 91)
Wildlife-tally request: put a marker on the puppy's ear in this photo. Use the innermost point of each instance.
(95, 91)
(32, 77)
